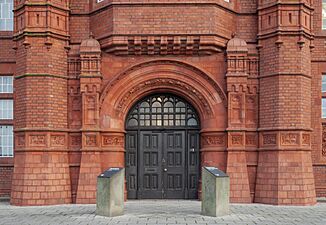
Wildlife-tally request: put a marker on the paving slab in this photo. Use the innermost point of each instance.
(162, 212)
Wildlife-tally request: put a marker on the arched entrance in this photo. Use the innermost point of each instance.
(162, 148)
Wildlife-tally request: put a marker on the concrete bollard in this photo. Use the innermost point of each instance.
(110, 192)
(215, 192)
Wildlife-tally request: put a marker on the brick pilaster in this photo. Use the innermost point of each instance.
(90, 84)
(237, 79)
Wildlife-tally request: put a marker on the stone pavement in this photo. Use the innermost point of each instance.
(160, 212)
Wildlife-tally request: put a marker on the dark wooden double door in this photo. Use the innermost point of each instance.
(162, 164)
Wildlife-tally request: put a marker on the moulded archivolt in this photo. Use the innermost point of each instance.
(165, 82)
(167, 62)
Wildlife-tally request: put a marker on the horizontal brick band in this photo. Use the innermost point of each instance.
(284, 74)
(40, 75)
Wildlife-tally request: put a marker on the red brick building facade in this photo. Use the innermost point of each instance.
(247, 73)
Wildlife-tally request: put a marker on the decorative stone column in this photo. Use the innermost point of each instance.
(90, 84)
(237, 77)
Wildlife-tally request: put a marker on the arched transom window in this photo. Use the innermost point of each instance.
(162, 110)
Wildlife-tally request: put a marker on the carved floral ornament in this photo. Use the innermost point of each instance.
(237, 139)
(91, 140)
(37, 140)
(21, 140)
(289, 139)
(214, 140)
(167, 62)
(58, 140)
(269, 139)
(286, 139)
(75, 140)
(113, 140)
(306, 139)
(251, 139)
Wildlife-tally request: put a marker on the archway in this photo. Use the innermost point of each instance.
(194, 86)
(162, 148)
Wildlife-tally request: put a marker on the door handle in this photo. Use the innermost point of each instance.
(165, 169)
(192, 150)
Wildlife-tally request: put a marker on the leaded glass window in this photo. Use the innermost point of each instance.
(6, 109)
(162, 110)
(323, 107)
(6, 84)
(6, 15)
(324, 15)
(6, 141)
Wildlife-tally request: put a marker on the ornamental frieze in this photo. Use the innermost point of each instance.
(306, 139)
(75, 140)
(237, 139)
(289, 139)
(21, 140)
(269, 139)
(91, 140)
(37, 140)
(214, 140)
(251, 139)
(113, 141)
(58, 140)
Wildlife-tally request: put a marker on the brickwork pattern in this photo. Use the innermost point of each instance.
(41, 178)
(5, 180)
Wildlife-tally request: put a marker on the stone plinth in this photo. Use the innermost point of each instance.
(215, 192)
(110, 193)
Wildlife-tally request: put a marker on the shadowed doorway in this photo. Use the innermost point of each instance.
(162, 149)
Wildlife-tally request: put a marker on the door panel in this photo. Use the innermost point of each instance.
(150, 165)
(131, 164)
(174, 164)
(176, 151)
(193, 164)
